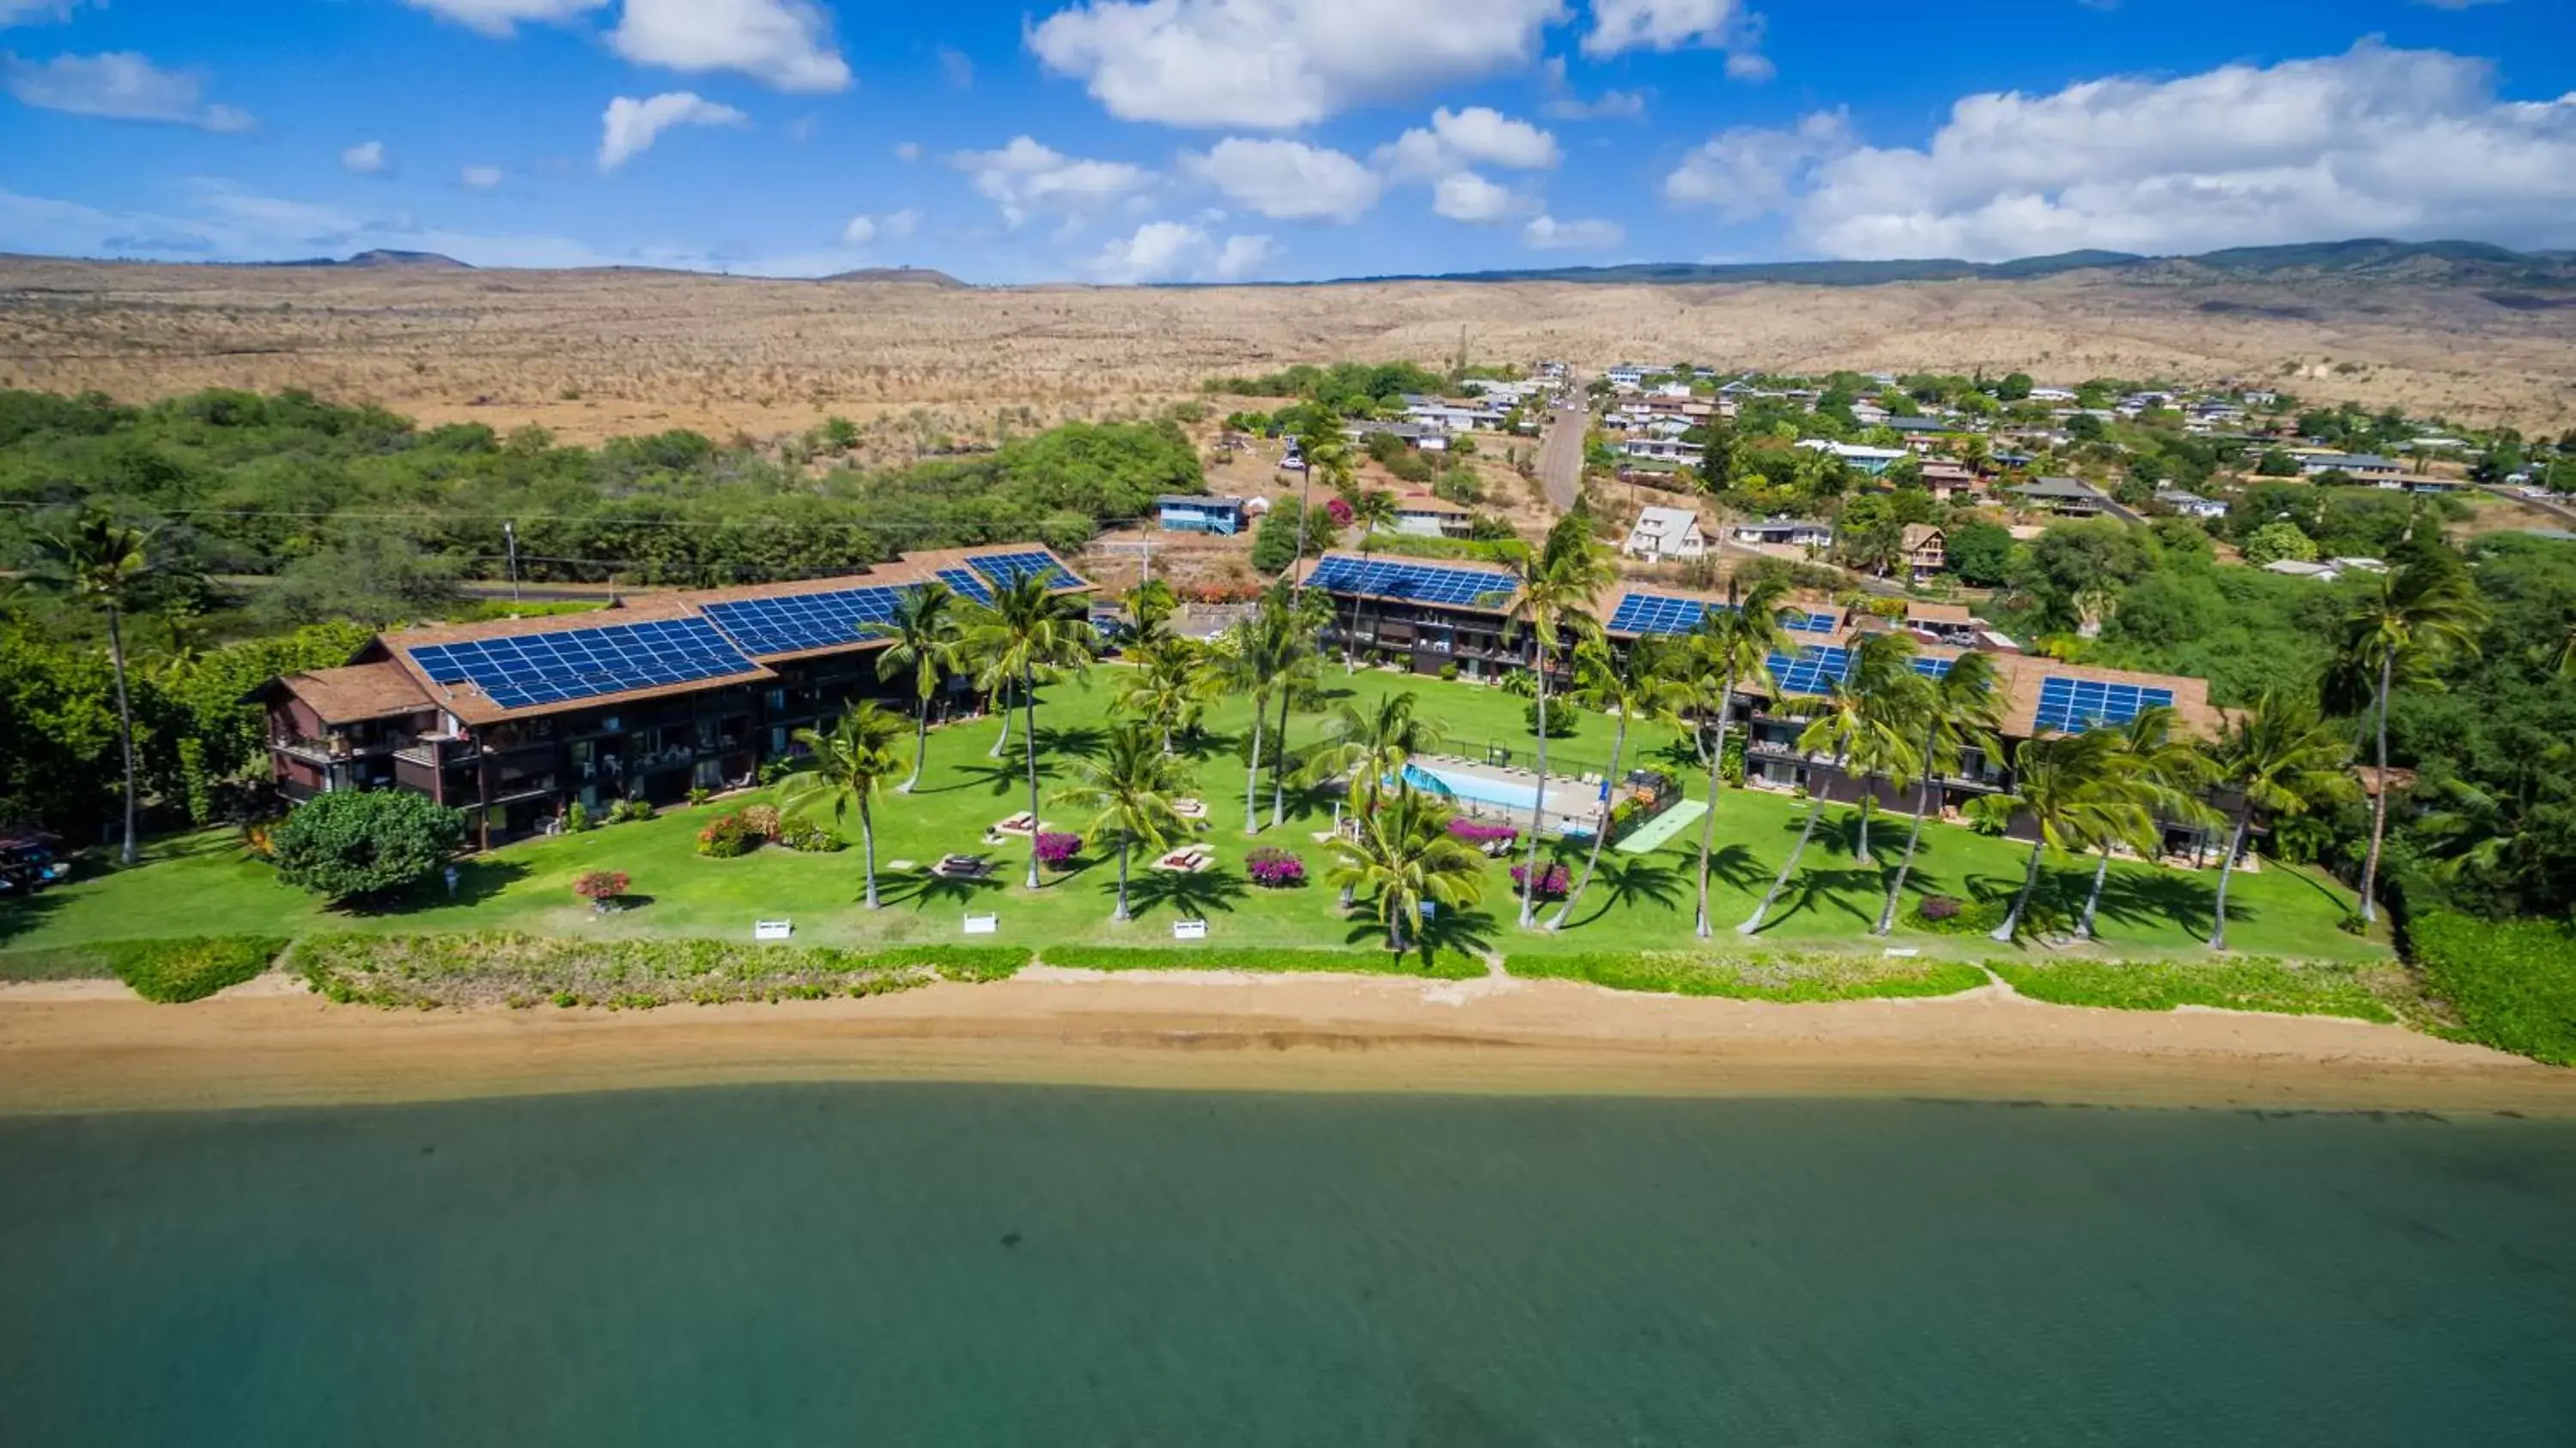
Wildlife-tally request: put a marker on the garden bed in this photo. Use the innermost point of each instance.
(2286, 987)
(493, 968)
(1783, 976)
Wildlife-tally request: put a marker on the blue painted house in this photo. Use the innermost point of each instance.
(1183, 513)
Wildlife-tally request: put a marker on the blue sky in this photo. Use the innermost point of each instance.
(1209, 140)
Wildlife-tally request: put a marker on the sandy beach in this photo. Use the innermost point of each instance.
(92, 1047)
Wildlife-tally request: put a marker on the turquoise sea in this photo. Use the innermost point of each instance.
(956, 1265)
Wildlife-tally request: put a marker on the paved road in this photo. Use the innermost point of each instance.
(1560, 454)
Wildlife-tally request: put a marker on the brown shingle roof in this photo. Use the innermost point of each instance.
(356, 693)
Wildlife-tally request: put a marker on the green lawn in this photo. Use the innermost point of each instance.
(202, 884)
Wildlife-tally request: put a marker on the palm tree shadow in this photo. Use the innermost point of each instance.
(2144, 899)
(1189, 895)
(1636, 878)
(922, 889)
(1068, 741)
(999, 777)
(1816, 885)
(1469, 932)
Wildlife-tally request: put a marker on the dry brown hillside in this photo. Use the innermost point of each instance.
(590, 354)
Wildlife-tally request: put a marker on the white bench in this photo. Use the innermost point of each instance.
(1189, 930)
(772, 929)
(983, 924)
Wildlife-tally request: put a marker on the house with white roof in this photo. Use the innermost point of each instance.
(1665, 533)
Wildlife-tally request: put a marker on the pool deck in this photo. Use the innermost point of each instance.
(1569, 800)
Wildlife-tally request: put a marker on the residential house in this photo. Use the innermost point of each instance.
(1947, 623)
(2052, 394)
(1926, 551)
(1629, 374)
(1421, 515)
(1666, 533)
(2065, 497)
(2191, 505)
(1188, 513)
(514, 721)
(1870, 460)
(1662, 449)
(1947, 480)
(2361, 467)
(1786, 532)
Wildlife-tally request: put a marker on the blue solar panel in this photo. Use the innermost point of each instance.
(1801, 621)
(1816, 669)
(1413, 582)
(796, 622)
(1653, 613)
(2072, 705)
(966, 584)
(583, 663)
(1006, 569)
(1932, 668)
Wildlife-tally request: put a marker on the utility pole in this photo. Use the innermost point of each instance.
(510, 536)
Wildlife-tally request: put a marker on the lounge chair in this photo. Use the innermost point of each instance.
(962, 867)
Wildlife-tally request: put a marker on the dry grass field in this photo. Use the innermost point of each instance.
(594, 354)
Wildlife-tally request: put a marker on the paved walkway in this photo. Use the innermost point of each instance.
(1663, 827)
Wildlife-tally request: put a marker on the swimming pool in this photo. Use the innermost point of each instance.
(1462, 785)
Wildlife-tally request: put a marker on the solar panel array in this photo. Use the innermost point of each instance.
(2075, 705)
(966, 584)
(1006, 569)
(1816, 669)
(796, 622)
(1932, 668)
(1654, 613)
(1414, 582)
(583, 663)
(1801, 621)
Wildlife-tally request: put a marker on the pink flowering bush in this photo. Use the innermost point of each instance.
(1339, 511)
(1552, 879)
(1057, 848)
(1274, 868)
(1478, 833)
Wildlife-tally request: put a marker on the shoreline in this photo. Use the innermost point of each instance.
(85, 1047)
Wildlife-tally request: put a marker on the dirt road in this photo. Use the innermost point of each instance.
(1560, 455)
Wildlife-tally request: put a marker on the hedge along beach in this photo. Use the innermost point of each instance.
(91, 1046)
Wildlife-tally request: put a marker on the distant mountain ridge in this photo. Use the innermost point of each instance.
(2466, 262)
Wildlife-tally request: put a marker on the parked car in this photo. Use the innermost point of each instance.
(29, 862)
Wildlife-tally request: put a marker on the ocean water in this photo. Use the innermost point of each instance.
(940, 1264)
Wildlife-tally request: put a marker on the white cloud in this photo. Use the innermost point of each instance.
(629, 126)
(1169, 251)
(893, 226)
(499, 18)
(1287, 180)
(957, 66)
(1563, 104)
(35, 12)
(368, 158)
(480, 178)
(1546, 233)
(1749, 170)
(1279, 64)
(1025, 178)
(907, 150)
(783, 43)
(1466, 196)
(1456, 140)
(120, 85)
(1625, 25)
(2373, 142)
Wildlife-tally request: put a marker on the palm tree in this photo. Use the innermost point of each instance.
(100, 560)
(1403, 856)
(1371, 511)
(2416, 616)
(1732, 646)
(2073, 787)
(1131, 791)
(923, 637)
(1150, 606)
(1025, 634)
(852, 761)
(1374, 747)
(1264, 654)
(1891, 700)
(1169, 685)
(1640, 682)
(2281, 759)
(1553, 602)
(1955, 713)
(1846, 722)
(1288, 623)
(2164, 775)
(1327, 452)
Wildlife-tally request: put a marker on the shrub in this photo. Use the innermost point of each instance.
(1056, 848)
(1274, 868)
(1449, 673)
(1791, 976)
(728, 836)
(773, 770)
(808, 838)
(1948, 915)
(577, 819)
(494, 968)
(624, 810)
(1480, 834)
(1553, 880)
(2290, 987)
(2511, 983)
(601, 886)
(700, 794)
(1339, 511)
(175, 971)
(1562, 717)
(1936, 908)
(349, 844)
(762, 820)
(1218, 955)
